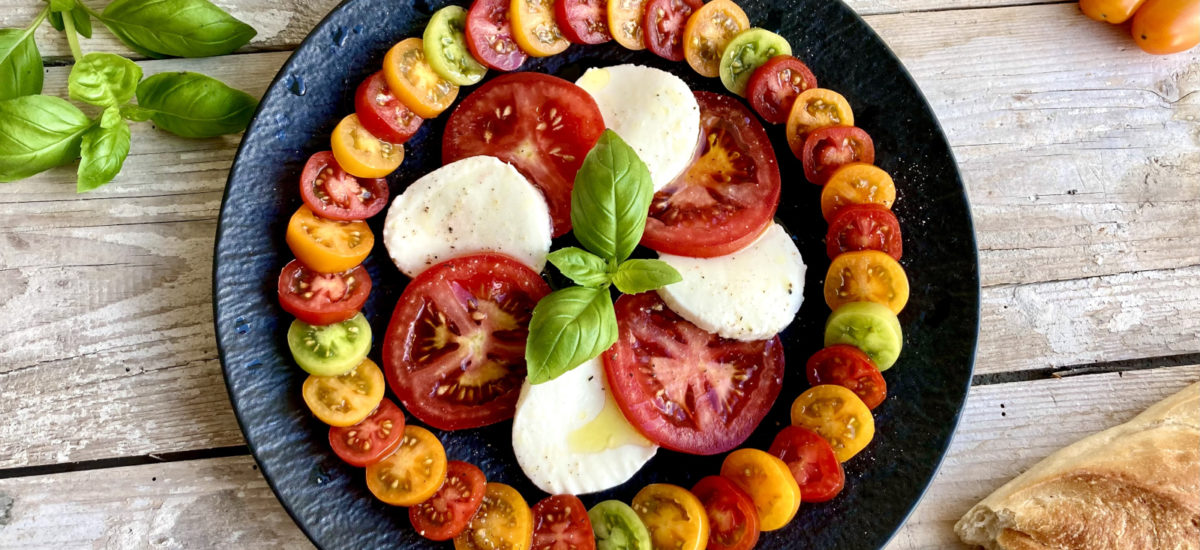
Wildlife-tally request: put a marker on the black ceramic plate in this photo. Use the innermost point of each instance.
(314, 90)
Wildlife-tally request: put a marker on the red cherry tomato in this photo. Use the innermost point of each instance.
(732, 518)
(560, 522)
(827, 149)
(381, 113)
(322, 298)
(773, 87)
(847, 366)
(333, 194)
(663, 23)
(449, 510)
(864, 227)
(489, 35)
(583, 21)
(812, 462)
(372, 439)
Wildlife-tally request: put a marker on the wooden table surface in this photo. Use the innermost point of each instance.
(1081, 156)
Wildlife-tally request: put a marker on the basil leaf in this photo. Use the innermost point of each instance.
(636, 276)
(184, 28)
(135, 113)
(79, 14)
(20, 64)
(581, 266)
(38, 132)
(568, 327)
(102, 153)
(611, 198)
(194, 105)
(103, 79)
(62, 5)
(56, 21)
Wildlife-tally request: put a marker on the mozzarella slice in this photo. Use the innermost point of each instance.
(570, 437)
(477, 204)
(653, 111)
(751, 294)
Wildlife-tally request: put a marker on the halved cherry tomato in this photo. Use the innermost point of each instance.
(382, 114)
(1112, 11)
(707, 33)
(827, 149)
(769, 483)
(686, 389)
(864, 227)
(328, 246)
(455, 348)
(847, 366)
(335, 195)
(663, 25)
(746, 53)
(504, 521)
(728, 195)
(732, 518)
(675, 517)
(413, 473)
(838, 415)
(625, 23)
(330, 350)
(870, 327)
(857, 183)
(811, 461)
(346, 399)
(542, 125)
(583, 21)
(866, 276)
(448, 512)
(322, 298)
(535, 29)
(414, 81)
(372, 439)
(362, 154)
(560, 522)
(446, 50)
(773, 87)
(814, 109)
(490, 35)
(1163, 27)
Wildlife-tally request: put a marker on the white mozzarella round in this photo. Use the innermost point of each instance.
(477, 204)
(569, 435)
(751, 294)
(653, 111)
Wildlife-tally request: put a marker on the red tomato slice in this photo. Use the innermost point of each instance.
(560, 522)
(732, 518)
(583, 21)
(371, 440)
(728, 196)
(864, 227)
(382, 114)
(811, 460)
(686, 389)
(322, 298)
(542, 125)
(663, 23)
(455, 349)
(847, 366)
(449, 510)
(333, 194)
(489, 35)
(827, 149)
(773, 87)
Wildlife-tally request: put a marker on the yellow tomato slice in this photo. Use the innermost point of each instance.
(838, 415)
(866, 276)
(414, 82)
(504, 520)
(362, 154)
(328, 246)
(674, 516)
(769, 483)
(707, 33)
(857, 183)
(348, 398)
(816, 108)
(413, 473)
(625, 23)
(535, 28)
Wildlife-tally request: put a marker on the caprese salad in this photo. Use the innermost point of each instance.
(634, 165)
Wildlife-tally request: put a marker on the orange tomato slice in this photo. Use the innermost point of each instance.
(414, 82)
(816, 108)
(413, 473)
(535, 29)
(769, 483)
(625, 23)
(866, 276)
(674, 516)
(346, 399)
(838, 415)
(707, 33)
(857, 183)
(362, 154)
(503, 521)
(328, 246)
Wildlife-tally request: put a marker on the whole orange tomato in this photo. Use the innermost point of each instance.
(1111, 11)
(1167, 26)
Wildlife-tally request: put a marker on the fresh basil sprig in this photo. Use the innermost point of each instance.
(194, 105)
(608, 211)
(20, 62)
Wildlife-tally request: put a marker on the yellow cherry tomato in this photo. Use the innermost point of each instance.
(625, 23)
(1112, 11)
(707, 33)
(535, 29)
(413, 473)
(362, 154)
(769, 483)
(866, 276)
(814, 109)
(1162, 27)
(674, 516)
(838, 415)
(857, 183)
(504, 520)
(413, 81)
(328, 246)
(348, 398)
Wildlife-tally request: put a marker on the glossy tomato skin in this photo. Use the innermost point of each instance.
(372, 439)
(381, 113)
(1111, 11)
(1164, 27)
(736, 163)
(560, 522)
(660, 358)
(773, 87)
(864, 227)
(827, 149)
(732, 518)
(333, 194)
(449, 510)
(847, 366)
(322, 298)
(583, 21)
(489, 35)
(812, 462)
(663, 23)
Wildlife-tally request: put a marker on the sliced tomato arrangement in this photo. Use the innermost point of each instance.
(847, 366)
(334, 194)
(663, 24)
(504, 521)
(489, 35)
(372, 439)
(446, 514)
(382, 113)
(827, 149)
(811, 461)
(560, 522)
(583, 21)
(864, 227)
(773, 87)
(322, 298)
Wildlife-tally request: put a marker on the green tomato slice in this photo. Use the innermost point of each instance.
(870, 327)
(748, 51)
(618, 527)
(330, 350)
(445, 43)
